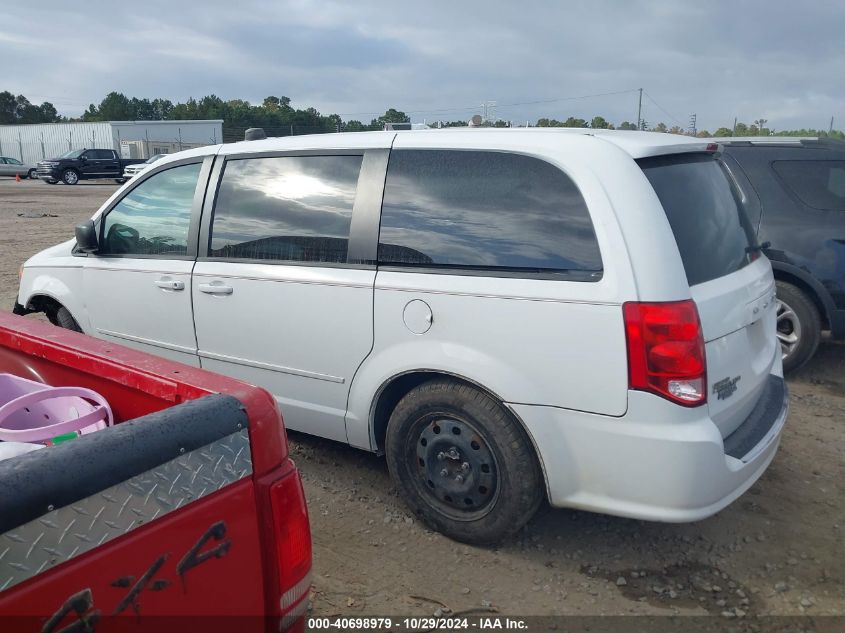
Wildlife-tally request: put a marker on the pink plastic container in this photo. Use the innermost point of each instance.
(33, 412)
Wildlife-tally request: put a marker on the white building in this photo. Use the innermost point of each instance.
(133, 139)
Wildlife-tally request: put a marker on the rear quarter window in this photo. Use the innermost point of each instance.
(705, 210)
(819, 184)
(485, 211)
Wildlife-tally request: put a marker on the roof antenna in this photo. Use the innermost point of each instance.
(254, 134)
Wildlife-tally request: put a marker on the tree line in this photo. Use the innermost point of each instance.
(279, 118)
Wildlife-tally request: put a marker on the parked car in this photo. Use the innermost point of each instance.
(189, 505)
(798, 209)
(85, 164)
(13, 167)
(134, 169)
(507, 314)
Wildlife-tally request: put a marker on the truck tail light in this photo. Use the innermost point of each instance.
(666, 351)
(292, 536)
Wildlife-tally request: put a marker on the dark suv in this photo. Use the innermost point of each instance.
(799, 210)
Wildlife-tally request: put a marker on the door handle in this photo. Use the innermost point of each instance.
(169, 284)
(215, 289)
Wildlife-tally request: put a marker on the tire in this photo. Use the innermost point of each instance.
(462, 463)
(32, 174)
(70, 176)
(51, 182)
(64, 319)
(799, 326)
(120, 181)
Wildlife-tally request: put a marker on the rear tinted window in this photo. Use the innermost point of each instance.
(287, 208)
(817, 183)
(484, 210)
(705, 212)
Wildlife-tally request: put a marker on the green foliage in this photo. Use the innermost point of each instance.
(19, 110)
(391, 116)
(279, 118)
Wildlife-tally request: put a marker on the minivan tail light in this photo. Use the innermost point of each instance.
(666, 351)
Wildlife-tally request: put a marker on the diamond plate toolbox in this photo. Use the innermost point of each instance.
(59, 535)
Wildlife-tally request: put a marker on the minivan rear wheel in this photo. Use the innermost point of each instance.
(462, 462)
(799, 326)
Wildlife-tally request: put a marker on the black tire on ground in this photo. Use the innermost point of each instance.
(64, 319)
(70, 176)
(51, 182)
(120, 181)
(463, 464)
(799, 326)
(32, 174)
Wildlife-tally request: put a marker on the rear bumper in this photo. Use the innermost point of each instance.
(658, 462)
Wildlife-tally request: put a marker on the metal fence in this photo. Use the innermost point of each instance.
(31, 143)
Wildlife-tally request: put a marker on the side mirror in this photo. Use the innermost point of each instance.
(86, 237)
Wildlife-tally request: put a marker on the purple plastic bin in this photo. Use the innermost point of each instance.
(33, 412)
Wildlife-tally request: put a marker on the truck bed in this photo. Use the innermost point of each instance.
(183, 508)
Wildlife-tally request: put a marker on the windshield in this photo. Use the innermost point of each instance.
(74, 153)
(154, 158)
(705, 211)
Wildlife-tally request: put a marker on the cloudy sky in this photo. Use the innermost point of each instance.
(781, 61)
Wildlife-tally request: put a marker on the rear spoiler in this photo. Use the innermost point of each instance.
(706, 145)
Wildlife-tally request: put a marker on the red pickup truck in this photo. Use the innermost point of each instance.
(188, 506)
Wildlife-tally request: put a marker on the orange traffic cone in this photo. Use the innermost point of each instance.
(17, 177)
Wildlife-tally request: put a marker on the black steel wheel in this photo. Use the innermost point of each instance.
(463, 463)
(458, 472)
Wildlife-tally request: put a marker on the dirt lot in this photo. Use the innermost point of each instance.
(777, 550)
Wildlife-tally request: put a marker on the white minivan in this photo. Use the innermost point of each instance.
(582, 316)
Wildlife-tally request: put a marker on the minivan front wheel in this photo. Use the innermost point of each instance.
(798, 325)
(463, 464)
(64, 319)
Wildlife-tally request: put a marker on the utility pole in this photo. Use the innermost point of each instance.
(640, 111)
(734, 128)
(830, 129)
(692, 127)
(489, 110)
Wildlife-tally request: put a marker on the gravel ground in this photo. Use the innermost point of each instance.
(778, 550)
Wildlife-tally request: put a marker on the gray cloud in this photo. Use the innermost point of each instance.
(721, 59)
